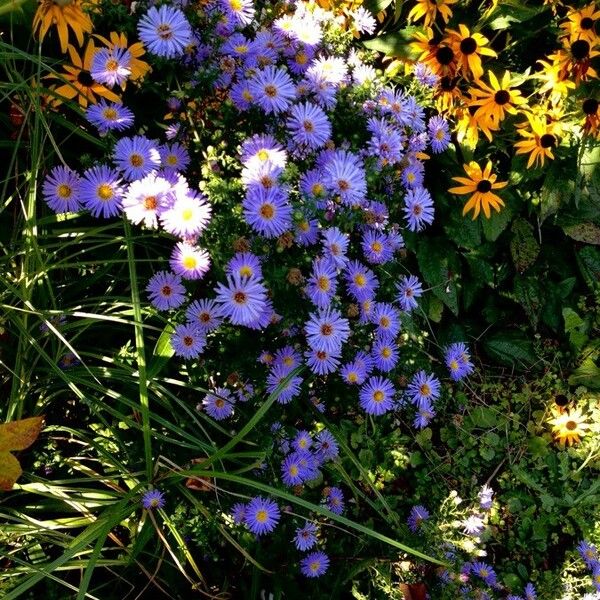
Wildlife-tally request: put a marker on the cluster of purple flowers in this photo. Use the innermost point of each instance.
(591, 557)
(260, 515)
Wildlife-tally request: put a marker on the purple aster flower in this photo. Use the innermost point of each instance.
(273, 89)
(277, 378)
(415, 114)
(310, 464)
(300, 60)
(425, 414)
(165, 31)
(486, 497)
(529, 592)
(322, 283)
(309, 125)
(188, 341)
(376, 396)
(354, 373)
(262, 515)
(288, 358)
(364, 22)
(335, 244)
(306, 232)
(166, 290)
(376, 247)
(306, 537)
(245, 264)
(136, 156)
(68, 360)
(145, 199)
(61, 190)
(321, 362)
(153, 499)
(596, 576)
(172, 131)
(327, 330)
(412, 175)
(111, 66)
(101, 191)
(418, 208)
(376, 214)
(241, 11)
(423, 388)
(388, 147)
(439, 134)
(238, 512)
(312, 185)
(219, 404)
(188, 215)
(302, 442)
(514, 597)
(408, 290)
(205, 314)
(334, 69)
(189, 261)
(241, 96)
(387, 319)
(314, 564)
(267, 211)
(263, 148)
(473, 525)
(293, 470)
(458, 361)
(243, 299)
(345, 177)
(588, 552)
(326, 445)
(417, 515)
(174, 157)
(109, 116)
(485, 572)
(361, 281)
(425, 76)
(334, 500)
(385, 353)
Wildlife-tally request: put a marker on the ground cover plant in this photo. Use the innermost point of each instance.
(300, 299)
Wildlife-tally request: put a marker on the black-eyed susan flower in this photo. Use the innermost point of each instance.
(429, 9)
(540, 138)
(468, 126)
(139, 68)
(469, 47)
(448, 95)
(496, 99)
(79, 81)
(553, 81)
(65, 14)
(581, 24)
(479, 183)
(569, 427)
(575, 59)
(591, 110)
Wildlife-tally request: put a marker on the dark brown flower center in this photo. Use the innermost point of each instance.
(448, 83)
(571, 425)
(188, 341)
(239, 298)
(590, 106)
(580, 49)
(444, 55)
(84, 78)
(468, 46)
(501, 97)
(547, 140)
(561, 400)
(166, 290)
(326, 329)
(484, 186)
(587, 23)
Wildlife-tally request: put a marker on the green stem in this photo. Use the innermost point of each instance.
(140, 350)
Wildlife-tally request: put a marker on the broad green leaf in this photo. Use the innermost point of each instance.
(556, 191)
(16, 435)
(528, 293)
(572, 319)
(394, 44)
(584, 232)
(587, 374)
(588, 259)
(496, 224)
(162, 353)
(483, 417)
(511, 348)
(524, 248)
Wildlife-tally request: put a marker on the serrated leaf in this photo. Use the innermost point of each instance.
(511, 348)
(572, 319)
(524, 248)
(587, 374)
(483, 417)
(496, 224)
(588, 259)
(555, 192)
(528, 294)
(465, 233)
(16, 435)
(584, 232)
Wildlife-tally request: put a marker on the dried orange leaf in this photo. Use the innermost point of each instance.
(18, 435)
(10, 471)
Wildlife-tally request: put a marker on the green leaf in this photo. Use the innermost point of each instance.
(512, 348)
(465, 233)
(528, 293)
(395, 44)
(438, 265)
(587, 374)
(588, 260)
(483, 417)
(436, 309)
(524, 248)
(496, 224)
(556, 191)
(584, 232)
(572, 319)
(162, 352)
(376, 6)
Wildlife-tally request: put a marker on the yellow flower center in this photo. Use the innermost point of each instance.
(378, 396)
(376, 247)
(110, 114)
(261, 516)
(150, 202)
(360, 280)
(317, 189)
(267, 211)
(293, 470)
(105, 191)
(245, 271)
(235, 5)
(247, 96)
(111, 64)
(352, 377)
(263, 155)
(425, 389)
(323, 283)
(187, 214)
(386, 352)
(64, 191)
(171, 160)
(190, 262)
